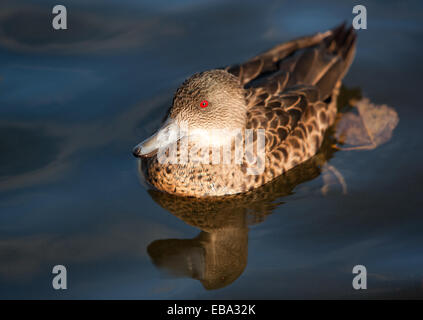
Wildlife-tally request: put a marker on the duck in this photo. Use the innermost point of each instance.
(234, 129)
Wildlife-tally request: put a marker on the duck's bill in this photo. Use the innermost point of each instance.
(168, 133)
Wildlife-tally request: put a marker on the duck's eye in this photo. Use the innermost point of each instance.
(204, 103)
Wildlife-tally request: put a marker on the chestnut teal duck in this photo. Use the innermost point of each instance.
(287, 95)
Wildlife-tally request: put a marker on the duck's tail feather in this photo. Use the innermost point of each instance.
(340, 50)
(325, 64)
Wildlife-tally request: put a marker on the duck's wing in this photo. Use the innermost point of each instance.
(268, 61)
(292, 102)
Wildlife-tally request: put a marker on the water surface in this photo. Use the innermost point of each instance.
(73, 104)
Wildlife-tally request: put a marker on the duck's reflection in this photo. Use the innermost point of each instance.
(218, 255)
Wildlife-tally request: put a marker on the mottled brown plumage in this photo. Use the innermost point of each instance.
(289, 91)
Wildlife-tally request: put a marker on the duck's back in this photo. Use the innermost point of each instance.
(292, 92)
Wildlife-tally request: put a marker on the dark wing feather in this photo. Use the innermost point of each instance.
(269, 60)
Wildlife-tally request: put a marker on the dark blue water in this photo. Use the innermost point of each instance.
(74, 102)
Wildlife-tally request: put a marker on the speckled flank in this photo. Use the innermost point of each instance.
(290, 91)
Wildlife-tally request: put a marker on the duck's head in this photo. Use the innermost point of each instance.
(207, 106)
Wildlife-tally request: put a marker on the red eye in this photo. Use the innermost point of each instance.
(204, 103)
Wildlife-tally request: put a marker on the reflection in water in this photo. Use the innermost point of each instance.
(20, 148)
(216, 258)
(218, 255)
